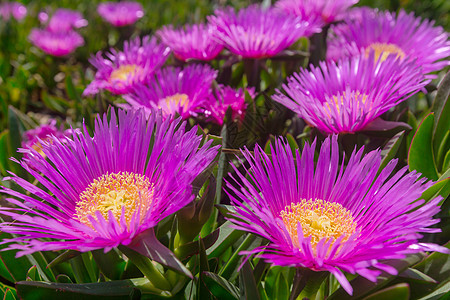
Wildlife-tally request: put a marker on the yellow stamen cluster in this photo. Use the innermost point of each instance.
(318, 219)
(116, 192)
(124, 72)
(176, 101)
(339, 100)
(384, 49)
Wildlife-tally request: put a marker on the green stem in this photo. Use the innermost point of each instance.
(147, 268)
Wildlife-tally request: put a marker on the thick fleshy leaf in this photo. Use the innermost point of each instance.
(227, 237)
(249, 289)
(148, 245)
(220, 287)
(390, 149)
(233, 263)
(396, 292)
(110, 264)
(420, 156)
(439, 188)
(202, 291)
(187, 250)
(436, 265)
(362, 286)
(63, 257)
(95, 291)
(441, 107)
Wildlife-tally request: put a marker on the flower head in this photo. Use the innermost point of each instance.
(223, 98)
(327, 218)
(56, 43)
(33, 138)
(345, 97)
(103, 191)
(387, 33)
(15, 9)
(120, 13)
(319, 12)
(191, 42)
(121, 71)
(175, 91)
(256, 32)
(64, 20)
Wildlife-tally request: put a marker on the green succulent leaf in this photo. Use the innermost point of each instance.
(420, 156)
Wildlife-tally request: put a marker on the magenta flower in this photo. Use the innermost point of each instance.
(121, 71)
(224, 97)
(33, 138)
(56, 43)
(345, 97)
(325, 218)
(64, 20)
(175, 91)
(191, 42)
(120, 13)
(385, 33)
(103, 191)
(316, 12)
(255, 32)
(15, 9)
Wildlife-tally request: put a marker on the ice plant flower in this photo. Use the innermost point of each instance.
(347, 96)
(175, 91)
(15, 9)
(327, 218)
(33, 138)
(191, 42)
(103, 191)
(256, 32)
(320, 12)
(120, 13)
(56, 43)
(223, 98)
(121, 71)
(64, 20)
(385, 32)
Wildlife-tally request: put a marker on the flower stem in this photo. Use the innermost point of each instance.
(147, 268)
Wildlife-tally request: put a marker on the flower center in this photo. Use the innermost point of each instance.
(384, 49)
(318, 219)
(173, 103)
(125, 194)
(337, 100)
(124, 72)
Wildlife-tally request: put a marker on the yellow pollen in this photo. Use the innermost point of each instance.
(384, 49)
(340, 100)
(124, 72)
(318, 219)
(121, 193)
(174, 102)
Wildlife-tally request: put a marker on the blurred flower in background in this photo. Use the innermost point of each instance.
(63, 20)
(175, 91)
(121, 71)
(345, 97)
(120, 13)
(387, 33)
(33, 138)
(256, 32)
(56, 43)
(316, 12)
(15, 9)
(223, 98)
(325, 218)
(191, 42)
